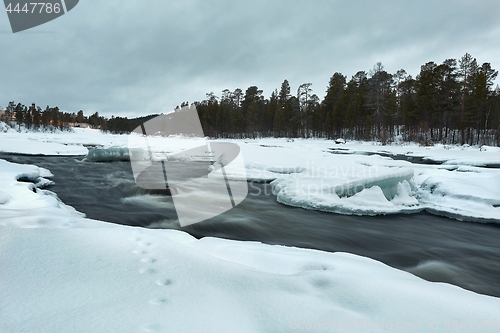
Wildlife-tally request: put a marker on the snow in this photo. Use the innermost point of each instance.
(31, 147)
(23, 203)
(66, 143)
(68, 273)
(369, 194)
(62, 272)
(362, 182)
(309, 174)
(115, 278)
(357, 178)
(446, 154)
(464, 193)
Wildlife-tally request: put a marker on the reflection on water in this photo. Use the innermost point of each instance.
(435, 248)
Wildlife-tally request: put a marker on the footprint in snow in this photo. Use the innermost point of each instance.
(163, 282)
(148, 260)
(158, 301)
(147, 271)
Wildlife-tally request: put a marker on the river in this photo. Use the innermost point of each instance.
(435, 248)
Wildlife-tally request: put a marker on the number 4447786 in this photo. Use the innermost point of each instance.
(34, 7)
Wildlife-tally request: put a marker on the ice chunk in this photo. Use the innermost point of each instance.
(116, 154)
(41, 182)
(285, 170)
(45, 173)
(404, 195)
(462, 195)
(387, 192)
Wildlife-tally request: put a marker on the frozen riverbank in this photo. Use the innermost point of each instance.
(362, 180)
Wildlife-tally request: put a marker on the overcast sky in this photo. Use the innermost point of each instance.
(133, 58)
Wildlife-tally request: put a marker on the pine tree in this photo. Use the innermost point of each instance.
(449, 90)
(334, 105)
(427, 97)
(379, 89)
(19, 115)
(468, 70)
(303, 96)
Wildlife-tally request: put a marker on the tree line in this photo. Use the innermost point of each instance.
(452, 102)
(51, 118)
(34, 118)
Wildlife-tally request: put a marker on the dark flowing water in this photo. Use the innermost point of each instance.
(435, 248)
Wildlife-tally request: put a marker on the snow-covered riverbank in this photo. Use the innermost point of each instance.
(311, 174)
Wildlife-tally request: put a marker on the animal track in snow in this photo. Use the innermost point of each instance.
(148, 260)
(158, 301)
(147, 271)
(163, 282)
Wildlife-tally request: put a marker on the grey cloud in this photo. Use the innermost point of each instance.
(134, 57)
